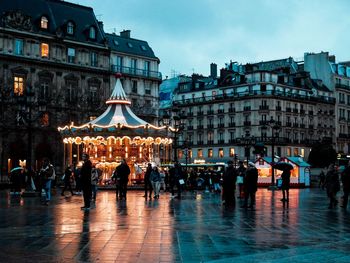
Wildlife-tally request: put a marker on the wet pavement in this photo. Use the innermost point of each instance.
(197, 228)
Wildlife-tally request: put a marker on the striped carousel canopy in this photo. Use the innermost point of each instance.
(117, 116)
(118, 111)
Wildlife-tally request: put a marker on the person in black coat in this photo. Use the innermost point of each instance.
(123, 172)
(176, 175)
(250, 183)
(85, 178)
(229, 184)
(67, 177)
(345, 178)
(285, 176)
(148, 185)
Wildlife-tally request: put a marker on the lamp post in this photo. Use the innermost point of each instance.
(26, 104)
(177, 121)
(274, 134)
(247, 141)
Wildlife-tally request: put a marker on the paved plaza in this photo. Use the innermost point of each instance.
(197, 228)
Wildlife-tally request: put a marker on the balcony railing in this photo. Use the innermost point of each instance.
(210, 126)
(221, 141)
(199, 127)
(210, 112)
(137, 72)
(263, 107)
(246, 108)
(247, 123)
(295, 111)
(221, 125)
(231, 109)
(288, 109)
(200, 113)
(311, 112)
(221, 111)
(232, 124)
(279, 108)
(200, 143)
(210, 142)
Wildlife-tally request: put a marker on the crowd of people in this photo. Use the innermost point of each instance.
(174, 180)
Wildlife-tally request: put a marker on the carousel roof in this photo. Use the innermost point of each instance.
(117, 116)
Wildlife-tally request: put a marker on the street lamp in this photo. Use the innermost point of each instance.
(275, 126)
(247, 141)
(26, 104)
(177, 121)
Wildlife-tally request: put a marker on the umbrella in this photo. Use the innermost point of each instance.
(283, 166)
(16, 168)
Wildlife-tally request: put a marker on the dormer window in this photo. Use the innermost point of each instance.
(44, 22)
(70, 28)
(92, 33)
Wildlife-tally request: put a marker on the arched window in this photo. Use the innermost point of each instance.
(70, 28)
(44, 22)
(92, 33)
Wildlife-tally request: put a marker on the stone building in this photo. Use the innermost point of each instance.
(227, 115)
(55, 68)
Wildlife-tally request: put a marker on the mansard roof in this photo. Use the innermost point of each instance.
(129, 45)
(26, 16)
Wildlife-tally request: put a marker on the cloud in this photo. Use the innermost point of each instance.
(188, 35)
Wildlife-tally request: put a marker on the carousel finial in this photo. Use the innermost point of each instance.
(118, 75)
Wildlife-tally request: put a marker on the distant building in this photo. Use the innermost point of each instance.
(225, 114)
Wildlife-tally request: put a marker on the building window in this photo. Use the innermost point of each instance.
(148, 88)
(93, 59)
(147, 68)
(18, 47)
(133, 64)
(92, 33)
(134, 86)
(71, 95)
(296, 152)
(200, 153)
(44, 91)
(289, 151)
(18, 86)
(44, 22)
(221, 152)
(45, 120)
(71, 55)
(44, 50)
(210, 153)
(118, 62)
(302, 152)
(232, 152)
(93, 96)
(70, 28)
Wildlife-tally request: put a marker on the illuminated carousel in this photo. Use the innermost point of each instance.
(115, 135)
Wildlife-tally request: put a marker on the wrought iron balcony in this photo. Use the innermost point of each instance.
(137, 72)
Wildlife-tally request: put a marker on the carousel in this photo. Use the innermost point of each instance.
(115, 135)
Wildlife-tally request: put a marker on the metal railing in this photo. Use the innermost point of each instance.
(136, 72)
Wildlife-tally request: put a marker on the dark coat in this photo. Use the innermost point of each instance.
(345, 178)
(85, 174)
(285, 176)
(332, 182)
(229, 184)
(147, 174)
(123, 172)
(251, 180)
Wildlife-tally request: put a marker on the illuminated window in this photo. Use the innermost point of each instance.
(44, 50)
(232, 152)
(18, 86)
(200, 153)
(221, 152)
(70, 28)
(302, 152)
(45, 119)
(44, 22)
(296, 151)
(92, 33)
(210, 152)
(190, 154)
(180, 154)
(289, 151)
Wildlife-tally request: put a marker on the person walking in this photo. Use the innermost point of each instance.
(94, 182)
(240, 179)
(85, 179)
(148, 184)
(229, 185)
(123, 172)
(68, 173)
(47, 173)
(332, 185)
(176, 179)
(285, 176)
(250, 185)
(155, 180)
(345, 178)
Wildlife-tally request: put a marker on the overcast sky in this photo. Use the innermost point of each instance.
(188, 35)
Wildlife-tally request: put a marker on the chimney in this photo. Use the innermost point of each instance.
(125, 33)
(100, 24)
(213, 70)
(331, 58)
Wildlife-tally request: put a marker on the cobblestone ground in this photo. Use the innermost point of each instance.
(195, 229)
